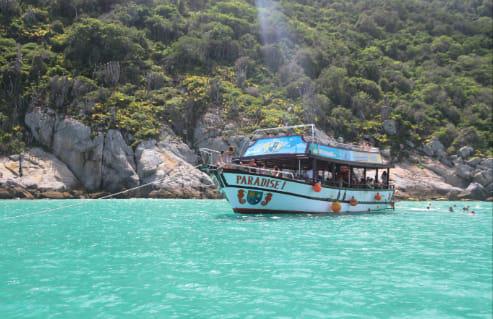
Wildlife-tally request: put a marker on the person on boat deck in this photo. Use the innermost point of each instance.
(384, 178)
(253, 166)
(228, 155)
(342, 176)
(308, 174)
(362, 181)
(276, 172)
(261, 168)
(220, 161)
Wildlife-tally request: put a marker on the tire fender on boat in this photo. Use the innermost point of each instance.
(335, 207)
(317, 187)
(353, 201)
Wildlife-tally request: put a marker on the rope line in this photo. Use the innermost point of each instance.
(82, 202)
(49, 210)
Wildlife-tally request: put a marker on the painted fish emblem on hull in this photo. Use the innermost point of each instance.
(254, 197)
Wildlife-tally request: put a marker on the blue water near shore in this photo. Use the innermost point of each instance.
(196, 259)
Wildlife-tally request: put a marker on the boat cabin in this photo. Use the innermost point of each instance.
(296, 156)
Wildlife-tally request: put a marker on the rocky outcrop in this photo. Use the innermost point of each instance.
(173, 143)
(465, 152)
(211, 132)
(42, 122)
(390, 127)
(415, 182)
(174, 177)
(42, 173)
(74, 144)
(474, 191)
(447, 173)
(118, 168)
(96, 162)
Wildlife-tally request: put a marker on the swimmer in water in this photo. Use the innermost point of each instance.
(472, 213)
(451, 209)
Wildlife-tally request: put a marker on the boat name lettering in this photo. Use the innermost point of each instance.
(260, 181)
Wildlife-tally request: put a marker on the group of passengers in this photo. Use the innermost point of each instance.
(342, 177)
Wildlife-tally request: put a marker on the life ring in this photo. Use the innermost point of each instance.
(317, 187)
(378, 196)
(335, 207)
(353, 201)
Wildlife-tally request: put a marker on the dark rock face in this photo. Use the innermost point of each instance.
(390, 127)
(474, 191)
(83, 154)
(465, 152)
(118, 171)
(173, 176)
(42, 123)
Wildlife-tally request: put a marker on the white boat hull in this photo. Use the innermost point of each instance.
(251, 193)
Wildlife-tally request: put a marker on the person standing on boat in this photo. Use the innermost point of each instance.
(308, 174)
(385, 180)
(277, 171)
(228, 155)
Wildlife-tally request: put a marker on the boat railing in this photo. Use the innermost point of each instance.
(210, 157)
(259, 170)
(290, 175)
(368, 186)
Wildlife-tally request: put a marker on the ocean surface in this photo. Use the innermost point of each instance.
(197, 259)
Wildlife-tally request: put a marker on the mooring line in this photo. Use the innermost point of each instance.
(84, 201)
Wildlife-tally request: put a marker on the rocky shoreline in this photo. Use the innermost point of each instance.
(71, 161)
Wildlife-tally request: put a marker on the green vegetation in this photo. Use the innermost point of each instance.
(133, 65)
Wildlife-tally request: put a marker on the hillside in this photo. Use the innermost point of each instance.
(422, 66)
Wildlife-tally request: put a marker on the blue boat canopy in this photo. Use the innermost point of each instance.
(295, 145)
(277, 146)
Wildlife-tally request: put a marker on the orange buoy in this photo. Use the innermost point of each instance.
(317, 187)
(353, 201)
(378, 196)
(335, 207)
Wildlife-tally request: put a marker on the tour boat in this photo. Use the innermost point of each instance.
(283, 171)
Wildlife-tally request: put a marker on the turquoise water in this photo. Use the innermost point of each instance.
(196, 259)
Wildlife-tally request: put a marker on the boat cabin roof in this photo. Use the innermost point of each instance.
(295, 147)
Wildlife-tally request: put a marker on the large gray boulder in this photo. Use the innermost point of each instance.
(473, 162)
(448, 174)
(484, 177)
(42, 172)
(173, 177)
(474, 191)
(174, 144)
(118, 170)
(41, 122)
(412, 181)
(464, 171)
(486, 163)
(74, 145)
(465, 152)
(208, 132)
(390, 127)
(435, 148)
